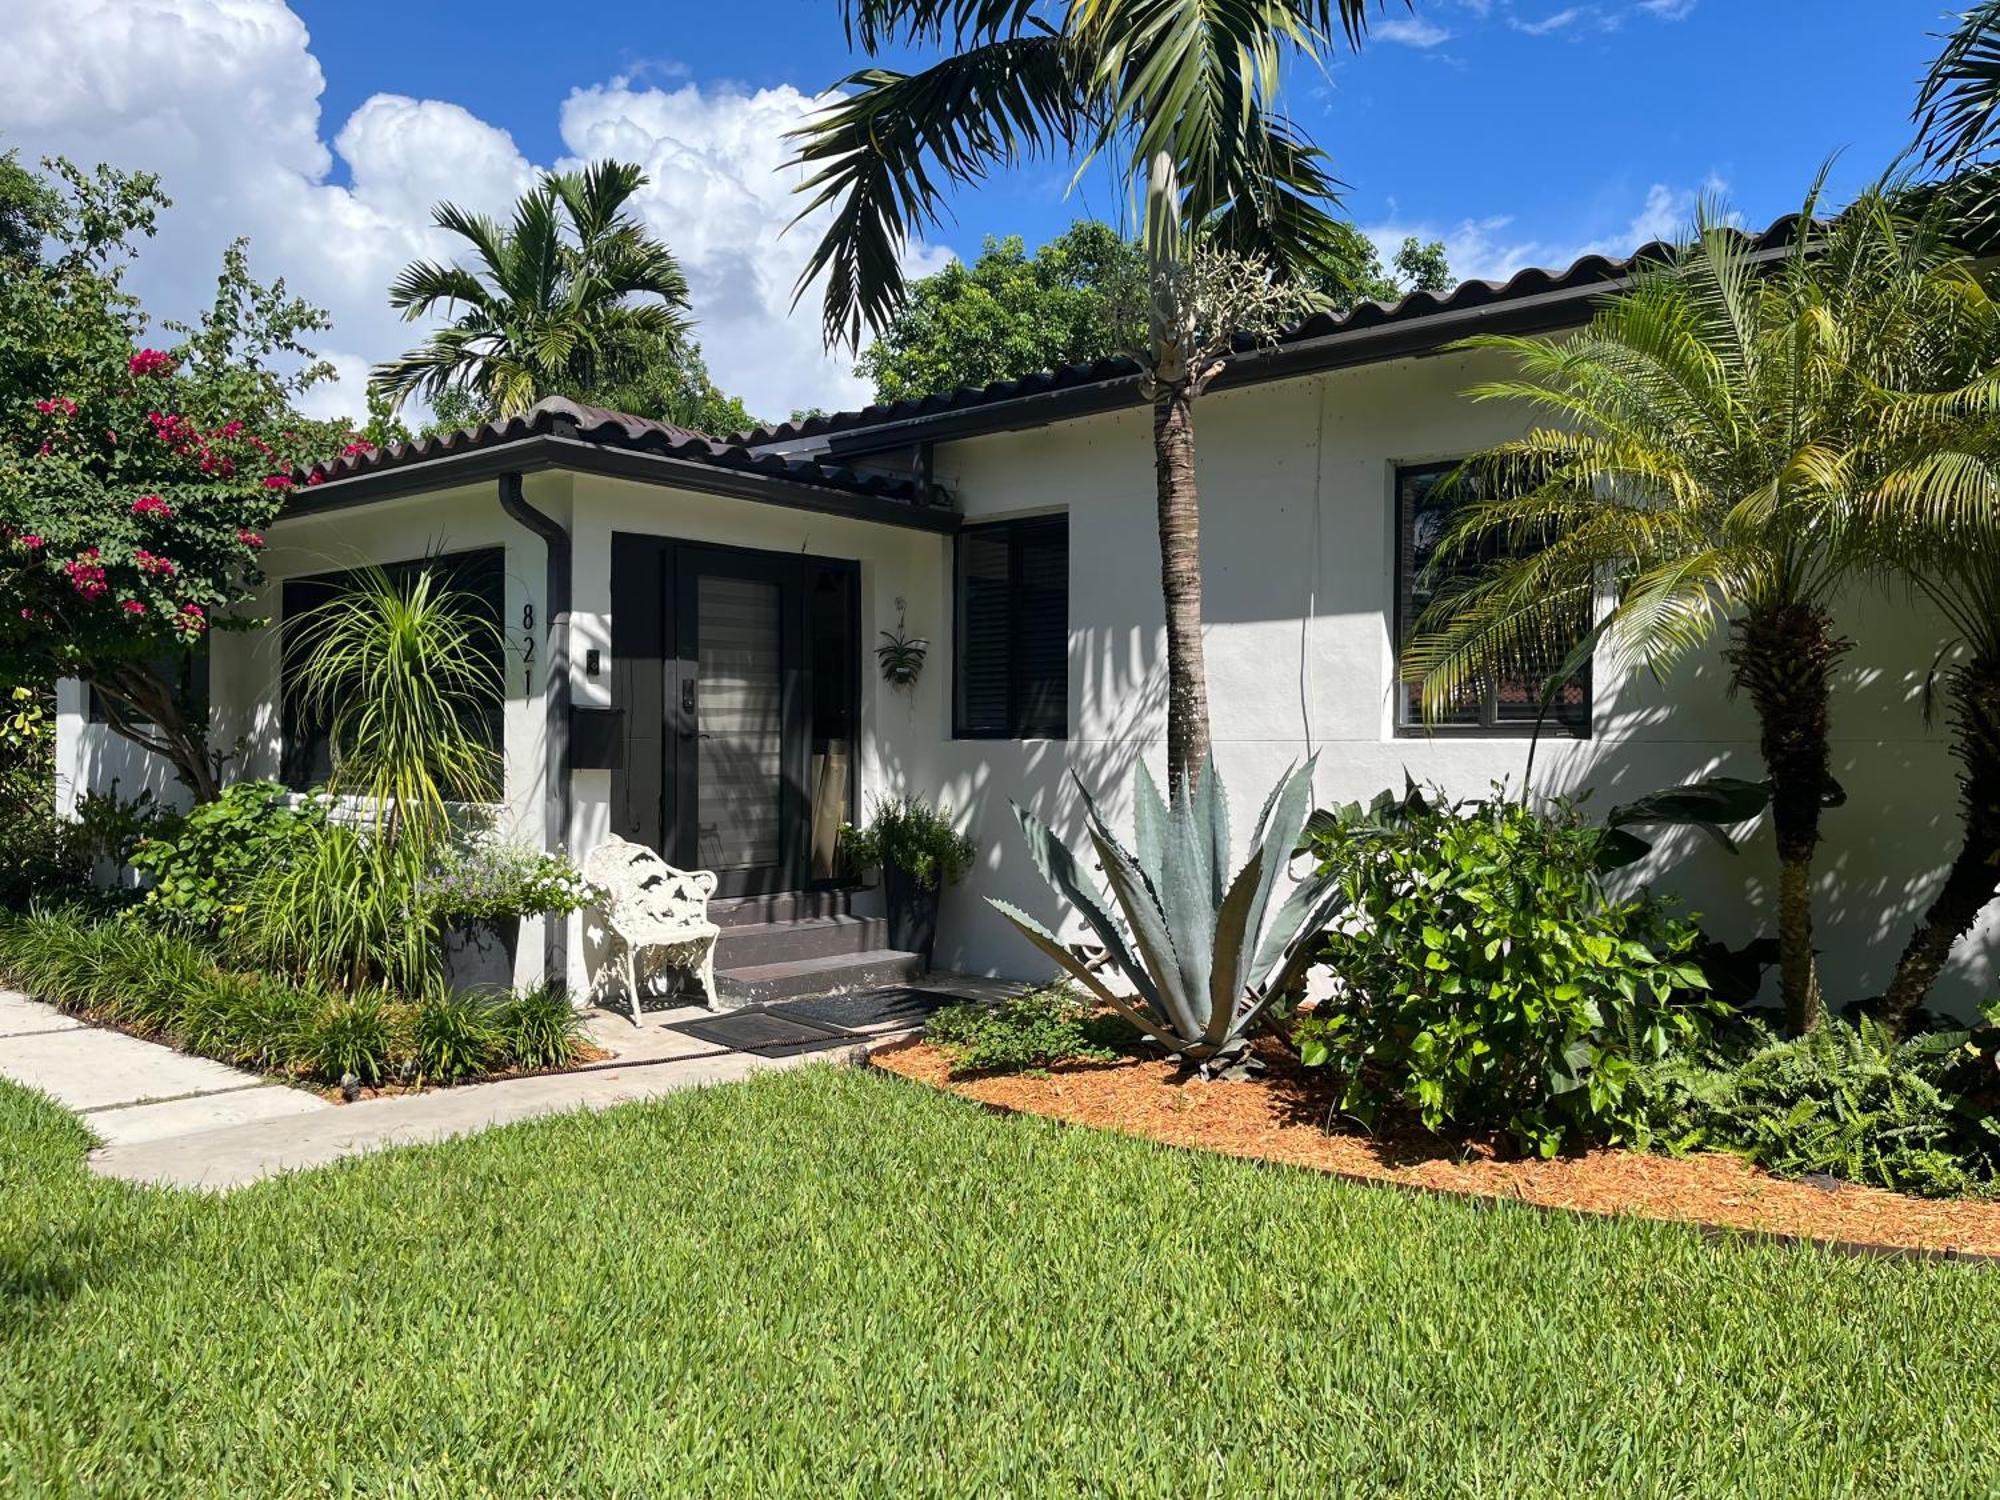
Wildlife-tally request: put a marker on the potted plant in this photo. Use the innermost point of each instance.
(918, 851)
(476, 896)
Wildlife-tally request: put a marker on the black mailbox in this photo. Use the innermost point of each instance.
(596, 739)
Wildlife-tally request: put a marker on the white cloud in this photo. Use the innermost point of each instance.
(221, 98)
(721, 196)
(1411, 31)
(1493, 248)
(1548, 25)
(1669, 10)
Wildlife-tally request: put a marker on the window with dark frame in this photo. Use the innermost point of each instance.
(1424, 507)
(184, 669)
(481, 575)
(1011, 642)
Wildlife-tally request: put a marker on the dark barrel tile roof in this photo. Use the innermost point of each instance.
(1588, 270)
(557, 416)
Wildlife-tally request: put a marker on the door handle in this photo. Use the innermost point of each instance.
(687, 708)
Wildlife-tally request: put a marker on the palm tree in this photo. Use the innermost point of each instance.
(1181, 94)
(550, 308)
(1958, 121)
(1722, 432)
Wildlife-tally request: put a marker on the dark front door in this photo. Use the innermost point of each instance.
(720, 658)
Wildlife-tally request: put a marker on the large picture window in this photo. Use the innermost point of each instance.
(478, 575)
(1011, 642)
(1424, 507)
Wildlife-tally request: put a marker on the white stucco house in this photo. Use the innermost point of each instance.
(693, 625)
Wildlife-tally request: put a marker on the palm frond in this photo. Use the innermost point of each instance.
(883, 154)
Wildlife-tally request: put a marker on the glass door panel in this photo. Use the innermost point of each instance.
(740, 722)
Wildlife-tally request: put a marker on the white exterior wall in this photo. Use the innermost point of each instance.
(1298, 563)
(1298, 560)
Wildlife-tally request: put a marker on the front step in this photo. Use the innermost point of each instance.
(790, 979)
(746, 944)
(780, 906)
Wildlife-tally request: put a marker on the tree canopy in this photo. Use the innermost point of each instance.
(135, 481)
(1010, 313)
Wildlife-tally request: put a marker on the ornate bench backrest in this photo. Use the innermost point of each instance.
(645, 893)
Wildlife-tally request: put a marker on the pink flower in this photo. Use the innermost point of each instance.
(151, 562)
(152, 505)
(32, 542)
(133, 607)
(191, 619)
(26, 613)
(151, 362)
(315, 477)
(277, 481)
(56, 404)
(250, 538)
(229, 429)
(358, 449)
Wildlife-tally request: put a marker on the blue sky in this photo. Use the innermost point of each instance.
(1557, 117)
(1522, 132)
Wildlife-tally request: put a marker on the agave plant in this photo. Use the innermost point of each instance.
(1205, 954)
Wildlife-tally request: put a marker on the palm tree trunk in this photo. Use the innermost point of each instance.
(1974, 878)
(1784, 657)
(1180, 584)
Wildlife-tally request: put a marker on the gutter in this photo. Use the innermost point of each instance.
(556, 781)
(539, 452)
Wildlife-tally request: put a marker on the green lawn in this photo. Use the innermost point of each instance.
(831, 1282)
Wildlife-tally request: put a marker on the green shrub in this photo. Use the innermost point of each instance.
(540, 1028)
(1035, 1029)
(128, 974)
(352, 1035)
(454, 1037)
(1844, 1100)
(202, 871)
(343, 911)
(917, 839)
(1484, 979)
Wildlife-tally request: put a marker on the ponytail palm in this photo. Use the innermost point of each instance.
(1181, 96)
(402, 673)
(554, 303)
(1718, 436)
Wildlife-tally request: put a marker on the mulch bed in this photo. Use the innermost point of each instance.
(1280, 1117)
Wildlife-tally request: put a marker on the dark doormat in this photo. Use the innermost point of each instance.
(762, 1034)
(867, 1010)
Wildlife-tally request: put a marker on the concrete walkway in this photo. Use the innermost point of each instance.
(133, 1093)
(178, 1121)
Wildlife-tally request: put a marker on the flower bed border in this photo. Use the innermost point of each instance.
(1714, 1233)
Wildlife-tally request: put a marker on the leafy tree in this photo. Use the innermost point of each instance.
(1006, 315)
(136, 483)
(565, 298)
(1181, 95)
(669, 382)
(1011, 314)
(1721, 435)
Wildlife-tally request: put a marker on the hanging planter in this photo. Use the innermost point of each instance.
(901, 655)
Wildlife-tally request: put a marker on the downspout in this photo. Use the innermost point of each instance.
(555, 797)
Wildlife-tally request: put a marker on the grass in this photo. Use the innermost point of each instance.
(832, 1282)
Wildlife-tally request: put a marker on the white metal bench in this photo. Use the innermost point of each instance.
(657, 914)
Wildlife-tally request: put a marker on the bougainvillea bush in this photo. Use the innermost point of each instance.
(137, 477)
